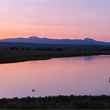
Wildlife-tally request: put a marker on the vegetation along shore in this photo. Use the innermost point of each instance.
(57, 102)
(18, 53)
(33, 48)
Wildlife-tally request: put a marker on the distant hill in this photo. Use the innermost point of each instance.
(35, 48)
(37, 40)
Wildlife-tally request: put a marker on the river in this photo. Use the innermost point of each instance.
(57, 76)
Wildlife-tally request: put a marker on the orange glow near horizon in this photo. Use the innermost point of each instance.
(9, 34)
(70, 19)
(12, 30)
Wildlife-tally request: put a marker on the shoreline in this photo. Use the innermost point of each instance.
(57, 102)
(13, 54)
(41, 58)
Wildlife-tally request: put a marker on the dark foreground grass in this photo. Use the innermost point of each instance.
(57, 103)
(15, 59)
(13, 54)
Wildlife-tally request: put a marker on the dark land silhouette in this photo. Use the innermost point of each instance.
(24, 49)
(57, 102)
(13, 53)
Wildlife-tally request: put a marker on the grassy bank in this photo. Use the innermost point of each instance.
(58, 102)
(16, 59)
(13, 54)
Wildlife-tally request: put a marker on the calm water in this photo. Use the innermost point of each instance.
(63, 76)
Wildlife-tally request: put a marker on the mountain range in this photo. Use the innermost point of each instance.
(38, 40)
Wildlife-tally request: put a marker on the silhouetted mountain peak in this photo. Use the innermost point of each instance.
(39, 40)
(89, 39)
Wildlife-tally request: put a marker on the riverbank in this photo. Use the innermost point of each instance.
(13, 54)
(57, 102)
(37, 58)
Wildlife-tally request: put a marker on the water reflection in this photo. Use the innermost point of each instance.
(88, 58)
(62, 76)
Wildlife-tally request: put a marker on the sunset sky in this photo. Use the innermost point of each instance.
(55, 18)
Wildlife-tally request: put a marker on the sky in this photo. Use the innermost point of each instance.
(55, 18)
